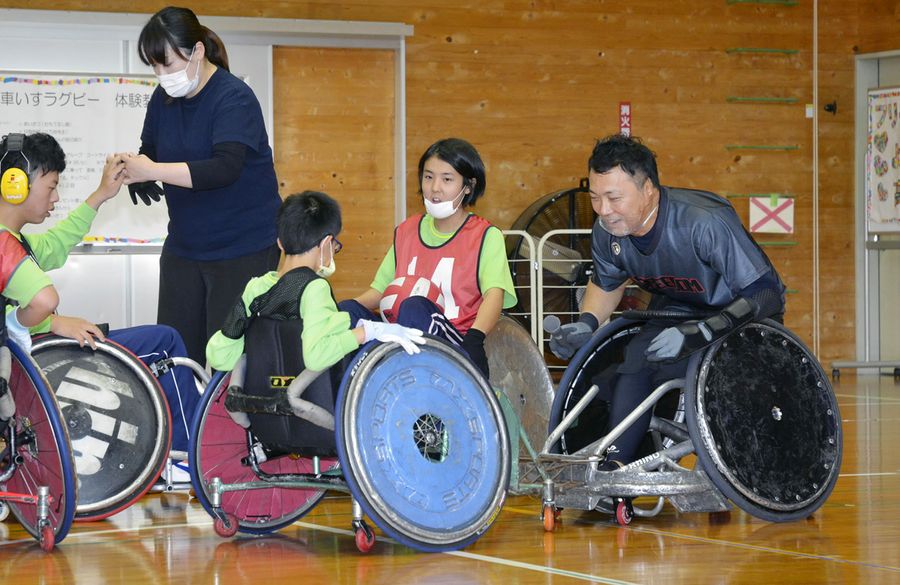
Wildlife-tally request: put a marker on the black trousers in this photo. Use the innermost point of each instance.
(636, 380)
(195, 296)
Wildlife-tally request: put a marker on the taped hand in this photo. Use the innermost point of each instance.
(148, 191)
(18, 332)
(569, 338)
(405, 336)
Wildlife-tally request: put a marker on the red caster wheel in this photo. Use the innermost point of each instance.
(624, 512)
(47, 539)
(226, 526)
(550, 515)
(365, 538)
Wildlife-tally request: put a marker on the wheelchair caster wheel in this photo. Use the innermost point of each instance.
(624, 511)
(550, 516)
(365, 538)
(47, 539)
(226, 525)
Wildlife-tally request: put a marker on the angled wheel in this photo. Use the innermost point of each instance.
(43, 456)
(423, 444)
(219, 447)
(518, 370)
(117, 418)
(594, 363)
(765, 421)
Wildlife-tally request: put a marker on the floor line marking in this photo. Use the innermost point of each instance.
(489, 559)
(764, 548)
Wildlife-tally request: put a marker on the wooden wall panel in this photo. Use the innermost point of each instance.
(532, 83)
(334, 120)
(879, 22)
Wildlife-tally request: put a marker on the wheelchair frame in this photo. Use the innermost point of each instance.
(429, 425)
(574, 480)
(36, 449)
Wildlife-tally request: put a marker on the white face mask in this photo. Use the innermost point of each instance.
(444, 209)
(326, 271)
(625, 231)
(178, 84)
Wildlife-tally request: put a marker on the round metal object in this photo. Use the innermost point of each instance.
(118, 421)
(43, 454)
(765, 421)
(438, 499)
(518, 369)
(218, 448)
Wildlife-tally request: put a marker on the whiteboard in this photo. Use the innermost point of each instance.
(91, 116)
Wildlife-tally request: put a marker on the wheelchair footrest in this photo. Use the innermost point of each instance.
(238, 401)
(688, 490)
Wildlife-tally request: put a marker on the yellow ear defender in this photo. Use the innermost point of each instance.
(14, 182)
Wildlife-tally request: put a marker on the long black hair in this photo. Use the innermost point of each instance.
(178, 28)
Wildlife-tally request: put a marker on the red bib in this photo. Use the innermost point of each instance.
(452, 266)
(11, 255)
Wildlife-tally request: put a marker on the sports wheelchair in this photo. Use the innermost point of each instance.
(117, 418)
(754, 421)
(419, 441)
(37, 477)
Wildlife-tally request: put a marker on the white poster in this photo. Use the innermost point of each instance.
(883, 161)
(91, 117)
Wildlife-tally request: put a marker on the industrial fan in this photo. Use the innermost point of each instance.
(567, 265)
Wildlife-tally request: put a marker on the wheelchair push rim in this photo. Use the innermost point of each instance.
(117, 418)
(217, 447)
(423, 444)
(47, 459)
(576, 380)
(765, 422)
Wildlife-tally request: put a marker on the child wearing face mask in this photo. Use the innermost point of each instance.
(460, 252)
(204, 138)
(308, 225)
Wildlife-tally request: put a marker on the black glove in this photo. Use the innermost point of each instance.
(148, 191)
(473, 344)
(680, 341)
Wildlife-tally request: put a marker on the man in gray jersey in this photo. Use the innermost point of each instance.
(686, 247)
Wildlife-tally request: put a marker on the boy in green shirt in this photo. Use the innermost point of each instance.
(308, 225)
(31, 166)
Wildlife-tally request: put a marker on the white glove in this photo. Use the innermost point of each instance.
(405, 336)
(18, 332)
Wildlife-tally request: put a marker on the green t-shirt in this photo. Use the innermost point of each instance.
(493, 268)
(51, 249)
(326, 336)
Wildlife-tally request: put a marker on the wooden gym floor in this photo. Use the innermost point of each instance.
(853, 538)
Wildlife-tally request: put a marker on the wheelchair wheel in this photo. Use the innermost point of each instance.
(43, 456)
(518, 370)
(765, 422)
(596, 362)
(219, 447)
(423, 444)
(117, 418)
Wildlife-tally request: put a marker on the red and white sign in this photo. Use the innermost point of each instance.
(772, 215)
(625, 118)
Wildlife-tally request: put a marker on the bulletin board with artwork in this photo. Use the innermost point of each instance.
(883, 161)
